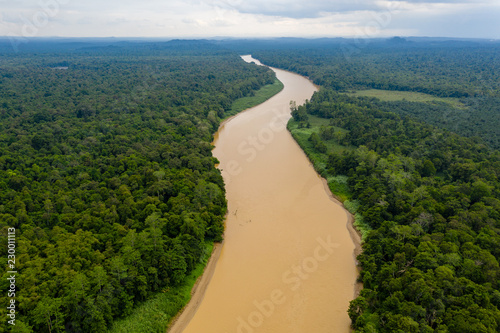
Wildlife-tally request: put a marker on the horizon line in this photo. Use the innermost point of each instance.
(245, 37)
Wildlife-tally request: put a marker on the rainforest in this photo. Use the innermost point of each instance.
(107, 174)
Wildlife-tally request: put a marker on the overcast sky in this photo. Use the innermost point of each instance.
(252, 18)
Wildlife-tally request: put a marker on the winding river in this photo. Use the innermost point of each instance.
(287, 262)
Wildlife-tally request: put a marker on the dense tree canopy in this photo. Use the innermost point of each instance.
(106, 173)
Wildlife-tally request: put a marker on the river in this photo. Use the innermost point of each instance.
(287, 262)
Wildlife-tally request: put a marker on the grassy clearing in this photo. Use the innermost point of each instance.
(155, 314)
(302, 135)
(260, 96)
(410, 96)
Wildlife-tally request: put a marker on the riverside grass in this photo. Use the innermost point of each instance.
(155, 314)
(260, 96)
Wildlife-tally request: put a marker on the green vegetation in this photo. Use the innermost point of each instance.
(478, 117)
(410, 96)
(316, 126)
(155, 314)
(338, 185)
(260, 96)
(106, 172)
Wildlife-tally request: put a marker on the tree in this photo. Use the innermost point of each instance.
(428, 169)
(48, 314)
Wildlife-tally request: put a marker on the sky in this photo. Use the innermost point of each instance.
(251, 18)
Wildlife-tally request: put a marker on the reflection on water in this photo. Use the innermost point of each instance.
(287, 263)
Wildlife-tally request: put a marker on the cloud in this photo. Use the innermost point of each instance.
(318, 8)
(443, 1)
(253, 18)
(296, 8)
(441, 20)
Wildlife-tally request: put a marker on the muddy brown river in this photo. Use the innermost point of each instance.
(287, 263)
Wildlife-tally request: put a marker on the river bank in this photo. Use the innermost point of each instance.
(287, 261)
